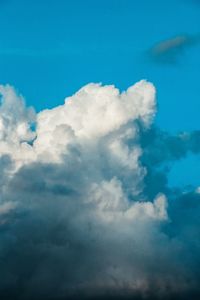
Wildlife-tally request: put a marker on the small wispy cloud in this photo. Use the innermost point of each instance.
(168, 51)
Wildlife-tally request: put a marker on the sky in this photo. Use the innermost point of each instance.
(50, 49)
(99, 149)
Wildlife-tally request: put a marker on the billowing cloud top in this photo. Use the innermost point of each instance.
(85, 209)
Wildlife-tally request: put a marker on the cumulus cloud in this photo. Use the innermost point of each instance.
(85, 209)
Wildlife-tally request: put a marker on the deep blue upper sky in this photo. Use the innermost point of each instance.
(49, 49)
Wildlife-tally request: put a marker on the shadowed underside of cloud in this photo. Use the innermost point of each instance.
(168, 51)
(85, 208)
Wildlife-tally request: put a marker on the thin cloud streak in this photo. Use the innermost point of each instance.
(168, 51)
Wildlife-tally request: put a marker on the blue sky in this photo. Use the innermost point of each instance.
(49, 49)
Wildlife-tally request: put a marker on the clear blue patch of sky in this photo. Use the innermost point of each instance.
(190, 175)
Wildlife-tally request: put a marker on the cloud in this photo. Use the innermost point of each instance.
(169, 50)
(85, 209)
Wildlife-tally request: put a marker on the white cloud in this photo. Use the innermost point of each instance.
(92, 113)
(15, 126)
